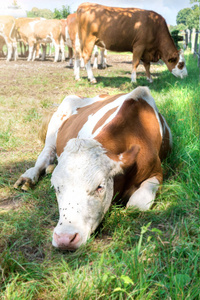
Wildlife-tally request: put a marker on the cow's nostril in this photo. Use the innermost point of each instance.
(74, 237)
(66, 241)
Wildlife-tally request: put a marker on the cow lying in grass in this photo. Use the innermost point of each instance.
(106, 146)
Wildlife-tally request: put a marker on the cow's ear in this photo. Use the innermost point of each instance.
(125, 160)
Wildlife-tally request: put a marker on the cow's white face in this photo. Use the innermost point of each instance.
(83, 181)
(180, 68)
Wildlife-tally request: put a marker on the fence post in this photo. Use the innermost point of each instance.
(186, 38)
(193, 39)
(190, 35)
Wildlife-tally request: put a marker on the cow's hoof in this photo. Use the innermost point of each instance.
(150, 80)
(25, 184)
(93, 81)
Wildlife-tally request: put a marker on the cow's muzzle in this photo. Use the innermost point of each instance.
(66, 241)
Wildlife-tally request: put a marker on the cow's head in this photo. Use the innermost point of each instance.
(179, 68)
(84, 185)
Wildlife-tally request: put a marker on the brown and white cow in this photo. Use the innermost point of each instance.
(142, 32)
(37, 31)
(8, 33)
(70, 32)
(106, 146)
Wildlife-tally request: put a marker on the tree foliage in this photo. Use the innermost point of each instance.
(42, 13)
(62, 13)
(183, 15)
(189, 17)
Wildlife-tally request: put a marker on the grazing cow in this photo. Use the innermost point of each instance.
(106, 146)
(8, 33)
(37, 31)
(142, 32)
(70, 32)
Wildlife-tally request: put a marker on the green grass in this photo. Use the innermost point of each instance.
(132, 255)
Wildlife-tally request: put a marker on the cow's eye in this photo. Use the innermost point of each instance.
(99, 189)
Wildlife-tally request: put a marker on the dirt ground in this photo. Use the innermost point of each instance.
(56, 79)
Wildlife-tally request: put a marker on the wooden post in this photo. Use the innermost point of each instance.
(193, 39)
(196, 42)
(186, 38)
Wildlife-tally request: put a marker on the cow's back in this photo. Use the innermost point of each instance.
(47, 27)
(119, 29)
(72, 126)
(117, 123)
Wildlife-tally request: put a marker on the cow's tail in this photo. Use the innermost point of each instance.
(44, 126)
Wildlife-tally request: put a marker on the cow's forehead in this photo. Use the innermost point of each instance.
(82, 161)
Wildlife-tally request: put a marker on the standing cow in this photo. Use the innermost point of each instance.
(36, 31)
(70, 31)
(106, 146)
(142, 32)
(9, 35)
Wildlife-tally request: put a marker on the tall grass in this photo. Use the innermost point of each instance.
(132, 255)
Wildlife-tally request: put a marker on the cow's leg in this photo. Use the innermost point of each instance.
(103, 58)
(15, 53)
(77, 58)
(57, 48)
(137, 54)
(62, 48)
(82, 64)
(89, 72)
(77, 68)
(86, 54)
(48, 154)
(96, 53)
(144, 196)
(10, 48)
(70, 52)
(31, 49)
(147, 68)
(44, 51)
(35, 51)
(46, 158)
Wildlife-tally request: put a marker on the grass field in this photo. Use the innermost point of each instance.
(132, 255)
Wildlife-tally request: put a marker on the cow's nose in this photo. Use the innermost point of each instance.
(66, 241)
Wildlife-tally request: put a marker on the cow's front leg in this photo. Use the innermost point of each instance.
(90, 73)
(48, 154)
(43, 163)
(144, 196)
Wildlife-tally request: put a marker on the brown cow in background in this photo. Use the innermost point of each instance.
(142, 32)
